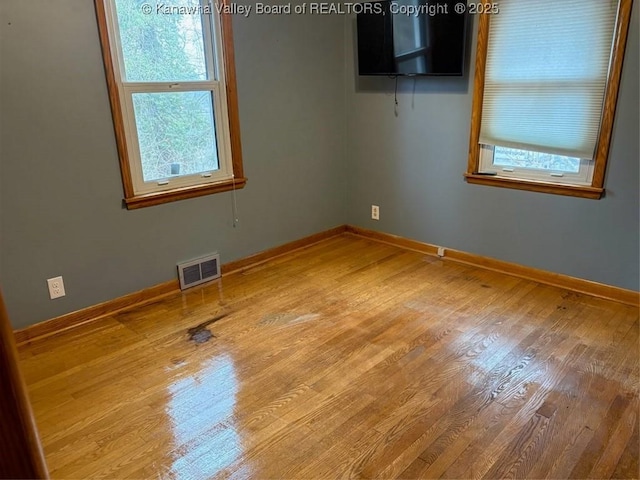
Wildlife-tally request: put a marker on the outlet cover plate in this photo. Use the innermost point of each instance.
(56, 287)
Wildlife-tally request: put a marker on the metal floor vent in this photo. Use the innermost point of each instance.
(199, 271)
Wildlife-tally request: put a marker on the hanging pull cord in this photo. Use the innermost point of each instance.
(395, 97)
(234, 205)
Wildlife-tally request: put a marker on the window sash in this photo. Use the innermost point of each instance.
(224, 171)
(546, 103)
(474, 175)
(582, 177)
(216, 85)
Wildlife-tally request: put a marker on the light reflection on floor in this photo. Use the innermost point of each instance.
(201, 410)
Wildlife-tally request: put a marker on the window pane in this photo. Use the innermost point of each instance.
(161, 46)
(546, 74)
(511, 157)
(176, 133)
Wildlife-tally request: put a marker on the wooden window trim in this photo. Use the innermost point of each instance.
(596, 189)
(131, 200)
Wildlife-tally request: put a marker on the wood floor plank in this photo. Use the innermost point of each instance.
(621, 436)
(627, 466)
(601, 436)
(349, 358)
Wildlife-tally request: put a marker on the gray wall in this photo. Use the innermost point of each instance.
(412, 165)
(60, 187)
(309, 125)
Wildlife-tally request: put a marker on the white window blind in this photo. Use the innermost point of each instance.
(546, 73)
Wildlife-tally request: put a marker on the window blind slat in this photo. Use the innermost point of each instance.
(546, 73)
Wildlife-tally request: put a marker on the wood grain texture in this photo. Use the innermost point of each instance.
(260, 257)
(156, 292)
(21, 454)
(596, 189)
(580, 191)
(94, 312)
(183, 193)
(482, 44)
(131, 199)
(349, 358)
(233, 112)
(629, 297)
(611, 94)
(114, 100)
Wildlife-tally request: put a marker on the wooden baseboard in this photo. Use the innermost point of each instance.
(278, 251)
(595, 289)
(94, 312)
(151, 294)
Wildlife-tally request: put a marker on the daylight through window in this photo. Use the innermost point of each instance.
(547, 76)
(173, 98)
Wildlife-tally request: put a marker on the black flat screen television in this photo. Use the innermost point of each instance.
(411, 37)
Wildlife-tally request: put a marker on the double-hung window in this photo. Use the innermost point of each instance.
(547, 76)
(171, 81)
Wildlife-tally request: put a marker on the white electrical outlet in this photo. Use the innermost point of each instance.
(56, 287)
(375, 212)
(441, 251)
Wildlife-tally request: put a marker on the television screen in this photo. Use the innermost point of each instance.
(411, 37)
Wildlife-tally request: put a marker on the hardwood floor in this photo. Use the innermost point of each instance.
(347, 359)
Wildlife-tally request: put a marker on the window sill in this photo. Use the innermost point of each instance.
(157, 198)
(581, 191)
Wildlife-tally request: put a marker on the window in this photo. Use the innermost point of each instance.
(533, 165)
(546, 84)
(171, 80)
